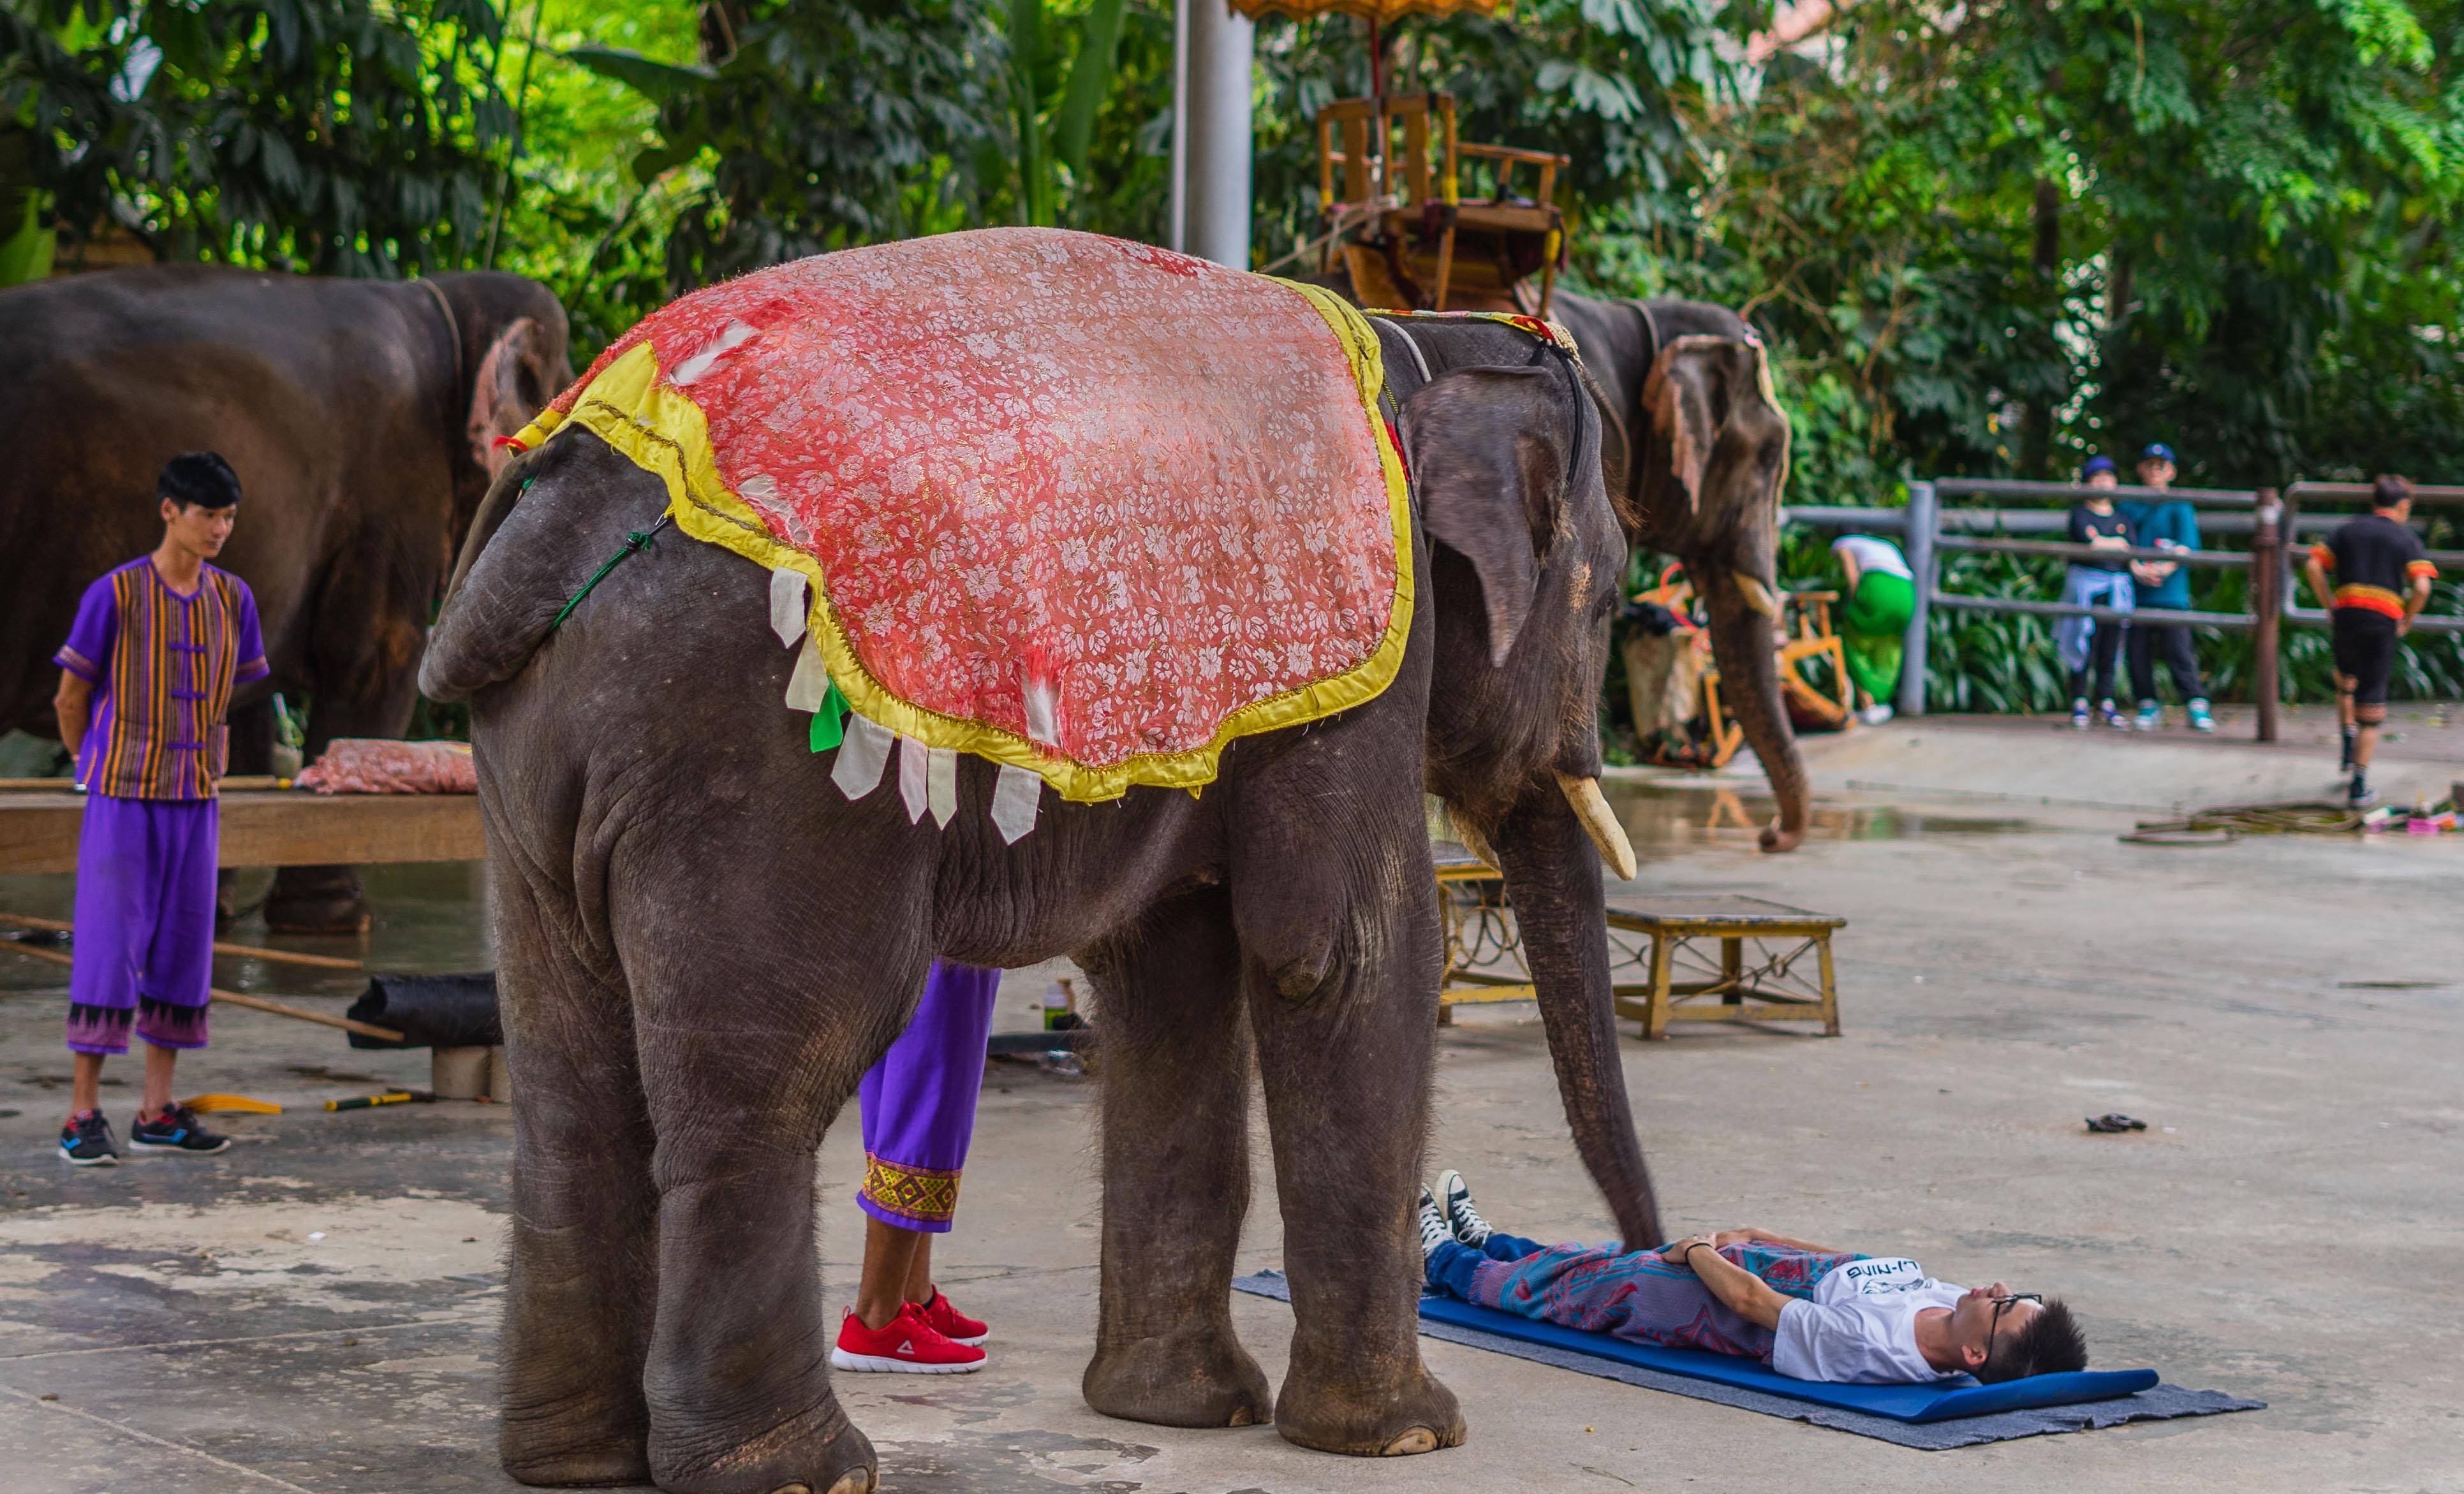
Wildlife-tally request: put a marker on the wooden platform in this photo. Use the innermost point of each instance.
(1681, 983)
(269, 827)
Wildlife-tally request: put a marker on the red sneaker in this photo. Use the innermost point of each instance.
(905, 1345)
(950, 1323)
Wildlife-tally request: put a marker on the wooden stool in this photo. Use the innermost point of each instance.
(1483, 946)
(1680, 982)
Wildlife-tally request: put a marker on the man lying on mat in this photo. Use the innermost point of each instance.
(1807, 1312)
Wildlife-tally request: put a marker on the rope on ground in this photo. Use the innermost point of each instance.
(2229, 822)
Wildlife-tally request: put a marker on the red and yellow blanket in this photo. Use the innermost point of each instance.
(1084, 507)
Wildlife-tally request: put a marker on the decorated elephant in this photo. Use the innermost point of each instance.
(361, 417)
(1113, 553)
(1706, 461)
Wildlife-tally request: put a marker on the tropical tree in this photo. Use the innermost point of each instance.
(342, 137)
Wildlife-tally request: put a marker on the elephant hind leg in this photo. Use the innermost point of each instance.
(749, 1046)
(584, 1255)
(1347, 1077)
(1176, 1097)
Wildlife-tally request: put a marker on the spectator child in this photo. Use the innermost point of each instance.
(2082, 641)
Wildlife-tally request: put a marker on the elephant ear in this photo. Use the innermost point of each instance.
(1700, 388)
(1490, 449)
(515, 380)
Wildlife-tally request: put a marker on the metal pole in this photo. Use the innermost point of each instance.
(2267, 613)
(1215, 169)
(1175, 229)
(1925, 520)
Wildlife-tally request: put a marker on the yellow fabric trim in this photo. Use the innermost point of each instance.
(663, 432)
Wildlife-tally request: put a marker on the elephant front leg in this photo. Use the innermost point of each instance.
(1175, 1099)
(1347, 1069)
(583, 1258)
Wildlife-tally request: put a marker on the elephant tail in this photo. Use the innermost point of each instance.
(491, 621)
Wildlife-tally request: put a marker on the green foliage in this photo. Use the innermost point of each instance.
(826, 124)
(341, 136)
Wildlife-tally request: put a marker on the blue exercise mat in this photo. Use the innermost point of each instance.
(1943, 1400)
(1960, 1413)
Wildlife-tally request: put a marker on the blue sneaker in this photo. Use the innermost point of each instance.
(1453, 1198)
(1433, 1225)
(2200, 719)
(175, 1130)
(86, 1141)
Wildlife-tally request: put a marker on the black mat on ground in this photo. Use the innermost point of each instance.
(2162, 1404)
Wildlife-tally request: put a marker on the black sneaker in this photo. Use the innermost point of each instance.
(1433, 1225)
(175, 1130)
(1454, 1195)
(2359, 796)
(86, 1141)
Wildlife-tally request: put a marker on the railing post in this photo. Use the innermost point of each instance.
(2266, 605)
(1924, 522)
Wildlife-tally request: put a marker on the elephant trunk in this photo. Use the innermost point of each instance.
(1742, 611)
(1553, 877)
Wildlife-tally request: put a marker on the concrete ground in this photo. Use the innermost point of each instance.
(315, 1309)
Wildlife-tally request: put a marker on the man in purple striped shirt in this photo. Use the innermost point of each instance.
(146, 684)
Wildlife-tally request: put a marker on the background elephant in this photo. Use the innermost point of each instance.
(1699, 454)
(359, 415)
(703, 945)
(1707, 454)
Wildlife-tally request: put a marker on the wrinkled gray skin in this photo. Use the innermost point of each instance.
(358, 418)
(1708, 453)
(703, 946)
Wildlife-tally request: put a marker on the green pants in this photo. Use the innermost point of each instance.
(1873, 632)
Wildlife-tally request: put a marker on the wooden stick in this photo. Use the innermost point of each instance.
(250, 951)
(254, 1003)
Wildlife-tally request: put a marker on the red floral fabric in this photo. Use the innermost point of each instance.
(1028, 460)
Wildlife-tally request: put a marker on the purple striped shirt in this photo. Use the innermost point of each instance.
(164, 664)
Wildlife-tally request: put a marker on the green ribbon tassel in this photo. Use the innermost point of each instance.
(829, 723)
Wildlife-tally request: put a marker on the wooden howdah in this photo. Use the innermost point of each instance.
(269, 827)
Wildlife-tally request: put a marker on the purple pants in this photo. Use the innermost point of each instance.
(919, 1102)
(144, 944)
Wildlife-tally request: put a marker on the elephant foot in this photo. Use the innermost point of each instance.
(569, 1448)
(316, 900)
(1199, 1379)
(818, 1452)
(1420, 1416)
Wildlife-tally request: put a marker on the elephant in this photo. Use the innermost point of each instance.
(1698, 456)
(684, 1018)
(1704, 472)
(361, 417)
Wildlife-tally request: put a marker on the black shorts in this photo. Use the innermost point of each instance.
(2365, 653)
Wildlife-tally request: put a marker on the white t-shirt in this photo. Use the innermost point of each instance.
(1859, 1328)
(1874, 555)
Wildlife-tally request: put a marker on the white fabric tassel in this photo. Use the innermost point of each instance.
(1043, 724)
(787, 607)
(912, 769)
(941, 783)
(862, 756)
(1015, 797)
(810, 685)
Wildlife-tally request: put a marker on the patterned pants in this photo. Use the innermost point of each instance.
(1633, 1295)
(919, 1102)
(144, 949)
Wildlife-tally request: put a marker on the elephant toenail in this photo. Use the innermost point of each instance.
(1244, 1417)
(855, 1481)
(1418, 1439)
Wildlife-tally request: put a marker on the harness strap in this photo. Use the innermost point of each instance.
(636, 541)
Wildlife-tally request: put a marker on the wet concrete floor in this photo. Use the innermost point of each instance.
(316, 1309)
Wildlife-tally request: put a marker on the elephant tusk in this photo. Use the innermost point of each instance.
(1757, 595)
(1593, 809)
(1469, 836)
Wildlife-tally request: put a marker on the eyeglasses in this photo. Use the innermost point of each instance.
(2002, 1305)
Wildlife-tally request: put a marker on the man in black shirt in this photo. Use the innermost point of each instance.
(2381, 583)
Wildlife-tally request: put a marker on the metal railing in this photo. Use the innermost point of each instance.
(1928, 529)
